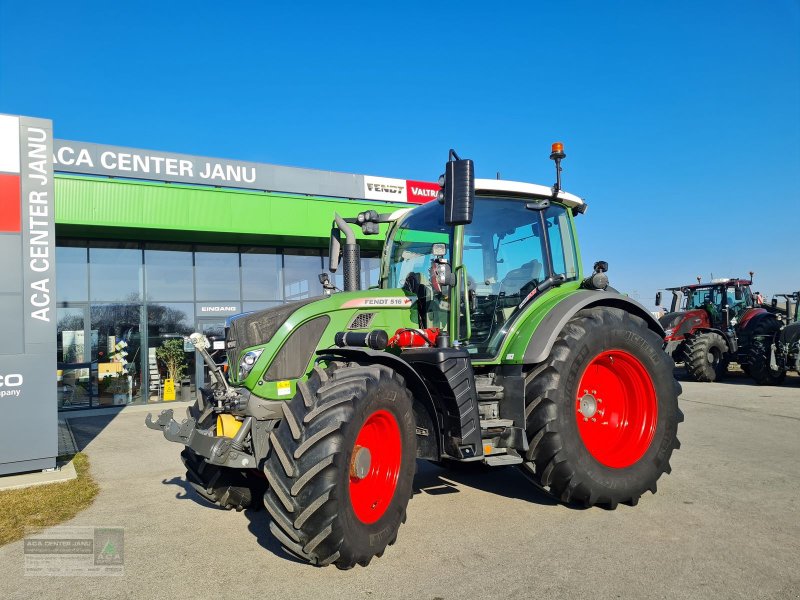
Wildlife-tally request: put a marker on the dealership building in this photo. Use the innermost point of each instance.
(149, 246)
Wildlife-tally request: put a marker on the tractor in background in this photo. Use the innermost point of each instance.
(484, 344)
(772, 356)
(710, 325)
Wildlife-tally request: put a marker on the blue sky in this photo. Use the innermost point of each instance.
(681, 120)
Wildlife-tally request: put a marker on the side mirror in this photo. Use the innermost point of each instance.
(737, 293)
(658, 298)
(458, 190)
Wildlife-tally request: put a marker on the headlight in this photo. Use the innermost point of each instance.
(246, 363)
(668, 332)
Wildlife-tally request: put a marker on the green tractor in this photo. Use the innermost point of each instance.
(484, 344)
(777, 352)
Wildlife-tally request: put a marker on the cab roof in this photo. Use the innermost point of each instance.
(712, 283)
(527, 190)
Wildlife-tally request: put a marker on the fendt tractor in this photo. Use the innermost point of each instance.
(483, 344)
(774, 355)
(711, 325)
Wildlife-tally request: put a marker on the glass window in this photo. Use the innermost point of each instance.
(168, 272)
(116, 348)
(73, 272)
(562, 247)
(216, 270)
(301, 269)
(70, 344)
(261, 274)
(168, 321)
(254, 306)
(115, 272)
(370, 273)
(504, 253)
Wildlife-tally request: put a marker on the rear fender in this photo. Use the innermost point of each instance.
(426, 412)
(545, 335)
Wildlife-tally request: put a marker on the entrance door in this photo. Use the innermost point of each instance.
(214, 330)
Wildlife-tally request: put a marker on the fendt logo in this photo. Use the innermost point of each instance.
(10, 385)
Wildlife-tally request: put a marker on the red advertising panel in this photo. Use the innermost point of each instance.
(420, 192)
(10, 217)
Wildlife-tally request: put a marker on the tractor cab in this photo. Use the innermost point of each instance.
(725, 301)
(490, 268)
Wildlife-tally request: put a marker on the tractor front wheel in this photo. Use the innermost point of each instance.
(341, 465)
(758, 353)
(707, 357)
(602, 411)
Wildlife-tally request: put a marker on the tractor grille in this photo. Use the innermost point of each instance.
(361, 321)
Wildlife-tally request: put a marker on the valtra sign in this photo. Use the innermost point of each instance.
(131, 163)
(399, 190)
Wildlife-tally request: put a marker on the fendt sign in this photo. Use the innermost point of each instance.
(27, 296)
(116, 161)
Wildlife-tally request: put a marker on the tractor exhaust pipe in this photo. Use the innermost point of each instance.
(351, 256)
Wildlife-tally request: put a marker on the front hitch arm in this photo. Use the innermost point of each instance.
(217, 450)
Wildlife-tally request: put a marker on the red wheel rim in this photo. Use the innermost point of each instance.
(375, 466)
(616, 409)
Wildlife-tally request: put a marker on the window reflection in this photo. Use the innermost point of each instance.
(261, 274)
(301, 269)
(73, 273)
(216, 273)
(168, 272)
(115, 271)
(169, 321)
(116, 348)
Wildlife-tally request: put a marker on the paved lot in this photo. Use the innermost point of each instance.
(725, 524)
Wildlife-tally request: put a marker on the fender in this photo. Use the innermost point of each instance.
(545, 335)
(429, 445)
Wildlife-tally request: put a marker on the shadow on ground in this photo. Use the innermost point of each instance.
(429, 479)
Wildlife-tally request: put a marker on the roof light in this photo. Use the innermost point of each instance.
(558, 147)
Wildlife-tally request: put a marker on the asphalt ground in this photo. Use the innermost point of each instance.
(724, 524)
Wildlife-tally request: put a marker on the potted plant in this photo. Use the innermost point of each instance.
(173, 356)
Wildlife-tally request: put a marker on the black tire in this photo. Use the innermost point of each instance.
(758, 352)
(558, 459)
(707, 357)
(308, 468)
(231, 489)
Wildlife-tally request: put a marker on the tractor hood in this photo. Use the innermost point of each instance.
(278, 344)
(257, 328)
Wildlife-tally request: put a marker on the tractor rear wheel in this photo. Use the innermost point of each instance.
(226, 487)
(341, 465)
(758, 353)
(602, 411)
(707, 357)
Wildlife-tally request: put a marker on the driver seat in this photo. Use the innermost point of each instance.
(522, 280)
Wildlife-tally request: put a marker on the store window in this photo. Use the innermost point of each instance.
(73, 272)
(169, 275)
(216, 273)
(301, 269)
(168, 323)
(116, 352)
(115, 272)
(261, 274)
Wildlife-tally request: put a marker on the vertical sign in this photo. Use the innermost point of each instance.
(27, 296)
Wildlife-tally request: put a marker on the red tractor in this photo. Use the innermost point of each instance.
(713, 324)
